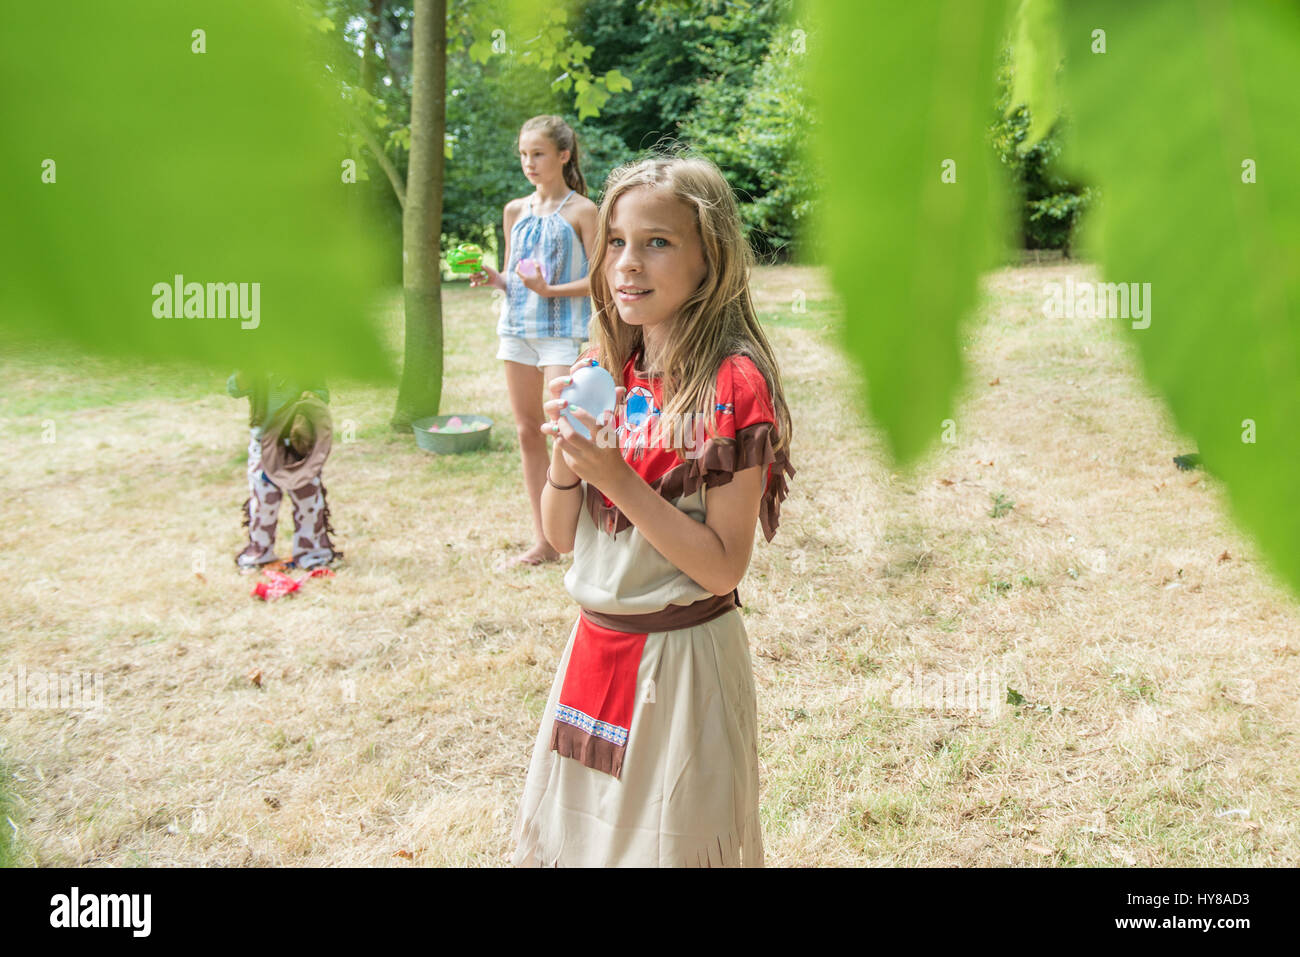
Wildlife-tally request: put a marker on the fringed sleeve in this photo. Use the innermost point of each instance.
(746, 439)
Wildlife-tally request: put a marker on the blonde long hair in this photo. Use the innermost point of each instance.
(561, 134)
(717, 321)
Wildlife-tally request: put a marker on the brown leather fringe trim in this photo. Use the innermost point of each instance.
(325, 510)
(717, 464)
(587, 749)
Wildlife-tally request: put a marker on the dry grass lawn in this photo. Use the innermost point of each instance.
(1052, 543)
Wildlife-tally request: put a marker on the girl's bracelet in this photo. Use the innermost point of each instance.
(562, 488)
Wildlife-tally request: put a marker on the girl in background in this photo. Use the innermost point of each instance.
(544, 317)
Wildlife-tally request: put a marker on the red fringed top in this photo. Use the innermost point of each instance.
(746, 437)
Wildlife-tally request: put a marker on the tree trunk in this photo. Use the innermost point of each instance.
(421, 390)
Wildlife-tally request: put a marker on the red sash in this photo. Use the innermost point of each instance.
(594, 713)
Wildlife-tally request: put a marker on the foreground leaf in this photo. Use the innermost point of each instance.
(1037, 56)
(1185, 94)
(902, 93)
(201, 140)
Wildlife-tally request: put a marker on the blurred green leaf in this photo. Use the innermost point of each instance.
(896, 118)
(200, 140)
(1170, 129)
(616, 82)
(528, 17)
(590, 99)
(400, 137)
(1048, 205)
(1037, 58)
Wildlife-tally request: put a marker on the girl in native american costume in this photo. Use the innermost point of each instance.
(647, 753)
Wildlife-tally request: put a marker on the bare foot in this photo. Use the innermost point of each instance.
(537, 555)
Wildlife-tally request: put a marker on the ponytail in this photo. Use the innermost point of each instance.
(573, 170)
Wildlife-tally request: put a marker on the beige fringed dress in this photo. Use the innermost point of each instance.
(647, 754)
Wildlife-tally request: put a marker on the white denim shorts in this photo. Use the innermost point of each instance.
(540, 352)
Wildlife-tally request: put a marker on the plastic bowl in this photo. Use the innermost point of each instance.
(451, 443)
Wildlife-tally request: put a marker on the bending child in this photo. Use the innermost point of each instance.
(297, 423)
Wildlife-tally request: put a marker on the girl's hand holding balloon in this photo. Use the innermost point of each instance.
(597, 461)
(531, 274)
(595, 457)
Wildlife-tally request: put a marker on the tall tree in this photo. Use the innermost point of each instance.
(473, 28)
(421, 390)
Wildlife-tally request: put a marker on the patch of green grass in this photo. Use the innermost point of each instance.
(790, 796)
(1171, 820)
(811, 314)
(1024, 706)
(231, 469)
(878, 820)
(535, 705)
(911, 562)
(1001, 505)
(1135, 686)
(9, 850)
(50, 381)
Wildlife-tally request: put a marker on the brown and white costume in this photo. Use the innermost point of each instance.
(647, 753)
(274, 404)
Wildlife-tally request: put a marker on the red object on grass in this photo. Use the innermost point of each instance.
(279, 585)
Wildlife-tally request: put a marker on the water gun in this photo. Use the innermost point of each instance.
(465, 258)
